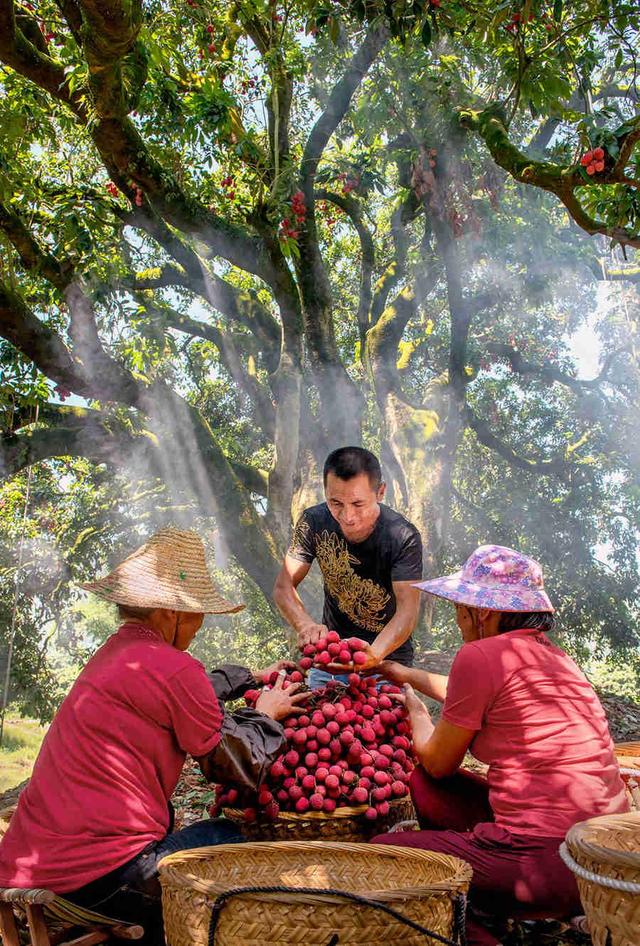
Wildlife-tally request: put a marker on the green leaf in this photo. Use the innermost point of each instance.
(426, 33)
(557, 10)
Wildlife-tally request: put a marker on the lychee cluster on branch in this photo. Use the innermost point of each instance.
(593, 161)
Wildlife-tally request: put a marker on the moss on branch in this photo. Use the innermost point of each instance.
(561, 180)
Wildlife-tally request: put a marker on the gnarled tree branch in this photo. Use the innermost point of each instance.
(561, 180)
(558, 465)
(549, 372)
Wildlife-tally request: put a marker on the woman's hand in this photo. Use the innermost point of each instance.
(392, 671)
(279, 703)
(419, 715)
(262, 676)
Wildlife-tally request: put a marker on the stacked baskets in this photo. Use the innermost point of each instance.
(604, 854)
(628, 756)
(316, 897)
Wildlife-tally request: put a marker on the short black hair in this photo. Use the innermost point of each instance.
(347, 462)
(517, 620)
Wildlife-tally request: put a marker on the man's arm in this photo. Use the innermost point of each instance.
(401, 625)
(393, 634)
(290, 604)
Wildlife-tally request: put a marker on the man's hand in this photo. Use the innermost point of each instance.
(310, 632)
(262, 676)
(279, 703)
(373, 662)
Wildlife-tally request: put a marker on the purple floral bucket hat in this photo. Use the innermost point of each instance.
(494, 577)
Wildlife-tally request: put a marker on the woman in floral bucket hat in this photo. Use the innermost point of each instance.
(95, 818)
(522, 707)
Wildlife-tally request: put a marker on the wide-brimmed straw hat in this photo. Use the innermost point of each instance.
(494, 577)
(168, 571)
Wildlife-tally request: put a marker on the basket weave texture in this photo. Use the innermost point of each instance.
(344, 824)
(420, 884)
(610, 847)
(628, 753)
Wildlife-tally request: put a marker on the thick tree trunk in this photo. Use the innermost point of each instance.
(422, 470)
(190, 461)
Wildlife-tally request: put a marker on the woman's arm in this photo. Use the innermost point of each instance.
(433, 685)
(252, 739)
(230, 682)
(249, 744)
(440, 748)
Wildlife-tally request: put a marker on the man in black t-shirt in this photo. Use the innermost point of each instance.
(369, 556)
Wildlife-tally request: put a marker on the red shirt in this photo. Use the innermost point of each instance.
(109, 763)
(541, 729)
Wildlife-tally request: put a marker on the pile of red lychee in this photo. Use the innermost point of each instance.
(349, 747)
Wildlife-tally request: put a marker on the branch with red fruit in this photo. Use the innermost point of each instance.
(562, 180)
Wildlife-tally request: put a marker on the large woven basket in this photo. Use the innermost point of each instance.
(428, 889)
(344, 824)
(628, 753)
(628, 756)
(604, 854)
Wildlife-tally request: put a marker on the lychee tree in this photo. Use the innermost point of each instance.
(243, 234)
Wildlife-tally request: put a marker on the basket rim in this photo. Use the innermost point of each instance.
(171, 868)
(344, 811)
(631, 746)
(580, 842)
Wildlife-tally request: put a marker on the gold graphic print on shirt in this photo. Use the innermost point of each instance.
(299, 539)
(361, 599)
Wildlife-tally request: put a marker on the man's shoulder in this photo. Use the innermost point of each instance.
(395, 521)
(317, 514)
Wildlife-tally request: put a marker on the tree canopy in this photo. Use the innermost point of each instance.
(235, 236)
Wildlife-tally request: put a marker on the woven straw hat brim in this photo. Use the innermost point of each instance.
(169, 571)
(211, 603)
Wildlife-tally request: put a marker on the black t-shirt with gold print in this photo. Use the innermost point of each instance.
(358, 576)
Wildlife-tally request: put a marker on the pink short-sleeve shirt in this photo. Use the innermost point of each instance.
(540, 728)
(109, 763)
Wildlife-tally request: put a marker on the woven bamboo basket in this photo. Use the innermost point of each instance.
(604, 854)
(628, 754)
(344, 824)
(310, 904)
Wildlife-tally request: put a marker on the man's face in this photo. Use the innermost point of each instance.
(354, 505)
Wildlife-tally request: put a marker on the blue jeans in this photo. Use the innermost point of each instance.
(131, 893)
(318, 678)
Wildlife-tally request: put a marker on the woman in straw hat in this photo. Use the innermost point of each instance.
(94, 820)
(523, 707)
